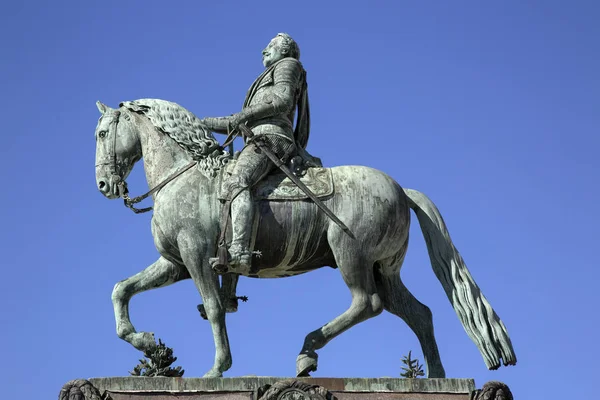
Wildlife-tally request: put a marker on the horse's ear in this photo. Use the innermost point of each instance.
(102, 107)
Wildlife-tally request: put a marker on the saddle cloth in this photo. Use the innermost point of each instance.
(277, 186)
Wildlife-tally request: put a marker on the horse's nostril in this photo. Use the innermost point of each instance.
(101, 185)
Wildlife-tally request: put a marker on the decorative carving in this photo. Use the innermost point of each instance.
(413, 368)
(294, 390)
(277, 186)
(160, 357)
(493, 390)
(79, 389)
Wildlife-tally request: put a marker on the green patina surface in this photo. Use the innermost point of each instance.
(244, 384)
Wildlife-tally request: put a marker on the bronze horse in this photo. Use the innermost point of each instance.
(294, 236)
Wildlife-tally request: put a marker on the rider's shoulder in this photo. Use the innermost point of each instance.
(287, 70)
(289, 63)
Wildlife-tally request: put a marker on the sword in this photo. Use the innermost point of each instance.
(279, 164)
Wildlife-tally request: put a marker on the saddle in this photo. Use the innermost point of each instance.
(278, 187)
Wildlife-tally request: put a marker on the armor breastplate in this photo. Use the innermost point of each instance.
(264, 92)
(281, 124)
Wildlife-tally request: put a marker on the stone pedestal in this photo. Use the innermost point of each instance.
(270, 388)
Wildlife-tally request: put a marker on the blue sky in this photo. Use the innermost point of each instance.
(490, 108)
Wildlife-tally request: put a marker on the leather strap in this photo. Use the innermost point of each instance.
(129, 202)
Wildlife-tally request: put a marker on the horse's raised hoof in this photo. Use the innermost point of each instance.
(306, 363)
(142, 341)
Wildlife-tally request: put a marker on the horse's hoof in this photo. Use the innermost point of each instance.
(142, 341)
(436, 373)
(213, 374)
(306, 363)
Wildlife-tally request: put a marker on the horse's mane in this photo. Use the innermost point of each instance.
(184, 128)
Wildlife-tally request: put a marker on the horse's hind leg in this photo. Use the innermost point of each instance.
(357, 272)
(161, 273)
(398, 300)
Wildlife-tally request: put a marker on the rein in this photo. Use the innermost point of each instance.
(122, 185)
(129, 202)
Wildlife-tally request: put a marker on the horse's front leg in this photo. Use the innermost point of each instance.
(194, 251)
(228, 292)
(161, 273)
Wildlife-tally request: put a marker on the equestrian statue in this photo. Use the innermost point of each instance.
(272, 210)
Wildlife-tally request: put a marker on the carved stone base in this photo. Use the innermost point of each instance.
(267, 388)
(79, 389)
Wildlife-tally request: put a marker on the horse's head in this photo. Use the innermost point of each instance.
(118, 148)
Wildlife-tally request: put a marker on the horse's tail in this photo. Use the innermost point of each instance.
(477, 316)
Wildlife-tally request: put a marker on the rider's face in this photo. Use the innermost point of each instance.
(272, 53)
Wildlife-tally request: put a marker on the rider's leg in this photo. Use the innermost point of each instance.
(242, 214)
(251, 166)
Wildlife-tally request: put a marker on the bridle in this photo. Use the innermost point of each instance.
(122, 184)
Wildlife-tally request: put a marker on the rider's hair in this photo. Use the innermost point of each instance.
(289, 45)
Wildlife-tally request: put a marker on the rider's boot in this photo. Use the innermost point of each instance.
(242, 216)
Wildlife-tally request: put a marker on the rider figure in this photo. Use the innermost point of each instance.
(269, 110)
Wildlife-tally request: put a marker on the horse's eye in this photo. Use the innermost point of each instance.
(102, 134)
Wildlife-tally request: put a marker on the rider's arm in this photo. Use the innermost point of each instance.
(286, 79)
(217, 125)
